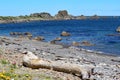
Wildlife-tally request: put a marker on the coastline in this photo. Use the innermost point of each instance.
(45, 50)
(61, 15)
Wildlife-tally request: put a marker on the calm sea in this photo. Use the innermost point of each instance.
(94, 31)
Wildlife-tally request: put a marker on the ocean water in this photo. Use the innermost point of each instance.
(94, 31)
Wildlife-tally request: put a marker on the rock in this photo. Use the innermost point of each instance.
(12, 33)
(39, 38)
(94, 17)
(58, 39)
(104, 71)
(64, 33)
(63, 14)
(82, 17)
(28, 34)
(86, 43)
(118, 65)
(16, 33)
(118, 29)
(75, 43)
(53, 42)
(43, 15)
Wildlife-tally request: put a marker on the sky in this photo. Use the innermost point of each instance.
(74, 7)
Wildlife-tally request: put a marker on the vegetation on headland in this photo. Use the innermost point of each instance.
(61, 15)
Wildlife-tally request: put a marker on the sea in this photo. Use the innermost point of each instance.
(95, 31)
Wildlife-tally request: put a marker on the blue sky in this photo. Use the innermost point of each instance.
(74, 7)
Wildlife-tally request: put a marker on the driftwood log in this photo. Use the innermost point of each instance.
(32, 61)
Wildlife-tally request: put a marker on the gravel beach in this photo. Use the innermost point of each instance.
(106, 67)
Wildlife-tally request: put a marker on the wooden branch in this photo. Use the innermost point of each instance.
(32, 61)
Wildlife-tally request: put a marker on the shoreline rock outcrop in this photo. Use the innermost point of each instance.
(62, 14)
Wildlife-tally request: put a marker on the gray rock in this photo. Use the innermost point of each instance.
(118, 29)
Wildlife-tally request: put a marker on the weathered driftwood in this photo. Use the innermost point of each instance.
(32, 61)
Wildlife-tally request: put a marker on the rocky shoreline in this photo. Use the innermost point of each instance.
(61, 15)
(105, 67)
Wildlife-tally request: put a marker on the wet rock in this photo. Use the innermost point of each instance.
(15, 33)
(86, 43)
(58, 39)
(75, 43)
(118, 29)
(27, 34)
(39, 38)
(64, 33)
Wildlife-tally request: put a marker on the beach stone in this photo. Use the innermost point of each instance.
(39, 38)
(64, 33)
(103, 71)
(118, 29)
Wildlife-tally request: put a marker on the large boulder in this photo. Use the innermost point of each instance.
(64, 33)
(118, 29)
(63, 14)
